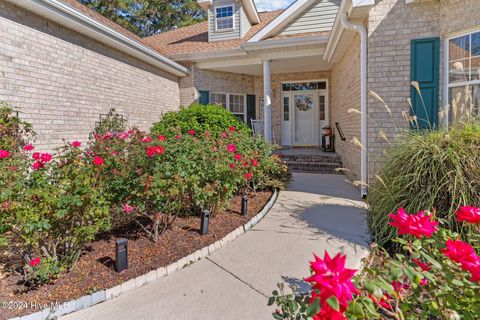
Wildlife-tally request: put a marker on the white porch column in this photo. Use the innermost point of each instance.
(267, 107)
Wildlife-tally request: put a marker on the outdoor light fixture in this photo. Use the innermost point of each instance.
(244, 205)
(205, 221)
(121, 253)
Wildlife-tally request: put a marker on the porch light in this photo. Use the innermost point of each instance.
(244, 205)
(121, 254)
(205, 221)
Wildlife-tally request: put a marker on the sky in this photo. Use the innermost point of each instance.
(267, 5)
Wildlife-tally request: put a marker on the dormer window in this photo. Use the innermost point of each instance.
(224, 18)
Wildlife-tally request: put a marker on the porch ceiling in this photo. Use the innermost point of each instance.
(285, 65)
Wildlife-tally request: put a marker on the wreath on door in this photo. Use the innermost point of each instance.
(303, 103)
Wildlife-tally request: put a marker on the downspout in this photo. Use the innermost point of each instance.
(363, 105)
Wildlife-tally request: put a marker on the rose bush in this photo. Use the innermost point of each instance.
(58, 207)
(436, 277)
(53, 204)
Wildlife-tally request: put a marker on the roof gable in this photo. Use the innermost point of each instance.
(302, 16)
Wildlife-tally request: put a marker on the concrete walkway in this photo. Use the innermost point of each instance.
(317, 213)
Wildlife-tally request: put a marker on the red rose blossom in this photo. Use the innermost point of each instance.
(4, 154)
(128, 208)
(464, 254)
(178, 136)
(248, 175)
(37, 165)
(153, 151)
(45, 157)
(232, 166)
(418, 225)
(331, 278)
(76, 144)
(28, 147)
(231, 148)
(468, 214)
(254, 163)
(34, 262)
(36, 156)
(191, 132)
(232, 128)
(238, 157)
(98, 161)
(162, 138)
(422, 265)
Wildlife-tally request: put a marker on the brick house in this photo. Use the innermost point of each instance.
(299, 69)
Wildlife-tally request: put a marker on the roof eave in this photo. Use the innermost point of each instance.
(252, 12)
(247, 48)
(356, 10)
(285, 43)
(67, 16)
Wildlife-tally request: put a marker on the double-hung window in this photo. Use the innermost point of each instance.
(464, 76)
(235, 103)
(237, 106)
(218, 99)
(224, 18)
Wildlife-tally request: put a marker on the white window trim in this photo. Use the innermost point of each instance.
(216, 19)
(446, 65)
(227, 94)
(300, 81)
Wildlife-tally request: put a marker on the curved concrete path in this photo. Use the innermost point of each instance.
(316, 213)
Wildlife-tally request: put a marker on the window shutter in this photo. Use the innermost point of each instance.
(251, 109)
(204, 97)
(424, 68)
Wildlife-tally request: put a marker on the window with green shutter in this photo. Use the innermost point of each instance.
(204, 97)
(425, 69)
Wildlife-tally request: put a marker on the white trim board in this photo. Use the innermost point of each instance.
(71, 18)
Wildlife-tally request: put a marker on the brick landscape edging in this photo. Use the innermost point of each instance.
(109, 294)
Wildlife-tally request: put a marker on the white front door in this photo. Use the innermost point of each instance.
(304, 112)
(305, 115)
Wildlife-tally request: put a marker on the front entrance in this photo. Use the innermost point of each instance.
(305, 113)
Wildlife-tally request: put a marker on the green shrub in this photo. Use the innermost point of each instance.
(434, 169)
(185, 174)
(200, 118)
(14, 133)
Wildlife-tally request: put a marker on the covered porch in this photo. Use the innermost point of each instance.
(291, 85)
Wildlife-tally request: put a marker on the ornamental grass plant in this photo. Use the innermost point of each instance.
(436, 168)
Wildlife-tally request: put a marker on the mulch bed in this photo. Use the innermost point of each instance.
(94, 271)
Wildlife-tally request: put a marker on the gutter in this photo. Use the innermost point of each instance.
(284, 43)
(70, 17)
(359, 28)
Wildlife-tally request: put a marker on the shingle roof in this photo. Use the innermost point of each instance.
(101, 19)
(194, 38)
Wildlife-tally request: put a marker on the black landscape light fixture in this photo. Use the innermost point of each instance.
(121, 254)
(244, 205)
(205, 221)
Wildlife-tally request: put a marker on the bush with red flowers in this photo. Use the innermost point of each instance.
(53, 204)
(436, 277)
(59, 206)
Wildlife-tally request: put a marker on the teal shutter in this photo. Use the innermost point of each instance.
(251, 109)
(204, 97)
(425, 68)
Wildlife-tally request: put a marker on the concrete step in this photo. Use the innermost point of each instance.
(311, 158)
(314, 167)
